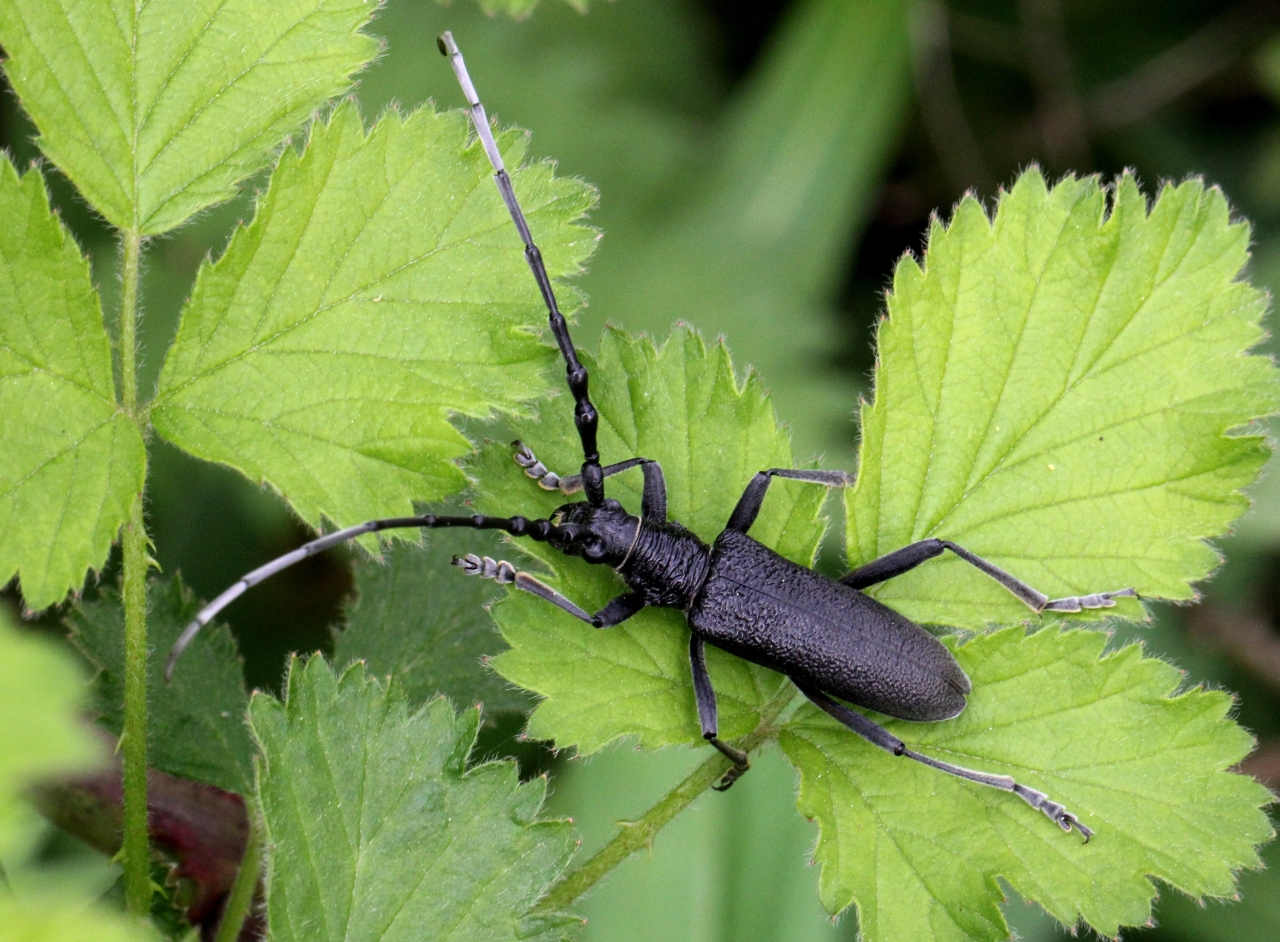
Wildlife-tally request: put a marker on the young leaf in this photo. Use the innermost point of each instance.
(409, 844)
(197, 722)
(157, 110)
(1054, 393)
(379, 289)
(681, 406)
(418, 620)
(919, 851)
(72, 462)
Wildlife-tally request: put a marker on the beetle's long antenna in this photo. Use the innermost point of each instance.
(540, 530)
(584, 413)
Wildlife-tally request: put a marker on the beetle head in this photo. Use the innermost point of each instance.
(604, 534)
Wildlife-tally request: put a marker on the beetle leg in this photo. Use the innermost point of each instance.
(504, 573)
(893, 564)
(877, 735)
(705, 695)
(653, 504)
(618, 610)
(748, 507)
(909, 557)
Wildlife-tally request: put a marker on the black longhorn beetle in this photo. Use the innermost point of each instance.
(828, 637)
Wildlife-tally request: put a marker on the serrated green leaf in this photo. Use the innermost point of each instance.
(72, 462)
(197, 723)
(418, 620)
(378, 830)
(1054, 393)
(919, 851)
(41, 694)
(1255, 915)
(157, 110)
(379, 290)
(681, 406)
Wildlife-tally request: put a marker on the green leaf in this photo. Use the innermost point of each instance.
(681, 406)
(380, 289)
(72, 462)
(196, 723)
(41, 694)
(919, 851)
(1054, 393)
(418, 620)
(1254, 915)
(157, 110)
(411, 844)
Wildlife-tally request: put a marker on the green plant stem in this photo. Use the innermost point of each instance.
(133, 741)
(242, 891)
(635, 835)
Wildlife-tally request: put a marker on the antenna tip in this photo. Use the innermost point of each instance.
(444, 42)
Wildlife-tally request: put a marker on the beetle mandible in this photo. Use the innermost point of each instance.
(833, 641)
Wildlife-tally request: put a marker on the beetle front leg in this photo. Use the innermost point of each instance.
(653, 504)
(502, 572)
(705, 696)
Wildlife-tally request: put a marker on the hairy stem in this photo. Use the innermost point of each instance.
(133, 745)
(242, 891)
(635, 835)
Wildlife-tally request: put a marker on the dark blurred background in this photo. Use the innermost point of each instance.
(762, 166)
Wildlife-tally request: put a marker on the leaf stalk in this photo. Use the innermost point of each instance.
(242, 891)
(133, 743)
(635, 835)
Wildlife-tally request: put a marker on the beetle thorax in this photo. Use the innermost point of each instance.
(668, 564)
(662, 560)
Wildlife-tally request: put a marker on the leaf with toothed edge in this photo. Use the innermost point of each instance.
(73, 462)
(197, 723)
(1054, 392)
(680, 405)
(918, 852)
(412, 844)
(158, 110)
(379, 291)
(419, 620)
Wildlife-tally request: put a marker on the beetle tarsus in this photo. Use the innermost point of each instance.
(547, 479)
(1055, 812)
(1076, 603)
(741, 764)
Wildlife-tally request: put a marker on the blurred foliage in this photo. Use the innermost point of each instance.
(762, 164)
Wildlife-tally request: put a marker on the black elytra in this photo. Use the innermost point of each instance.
(833, 641)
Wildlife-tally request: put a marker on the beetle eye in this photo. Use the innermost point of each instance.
(593, 551)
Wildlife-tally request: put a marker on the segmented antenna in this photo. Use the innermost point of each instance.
(584, 413)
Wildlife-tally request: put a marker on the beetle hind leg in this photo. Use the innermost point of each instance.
(877, 735)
